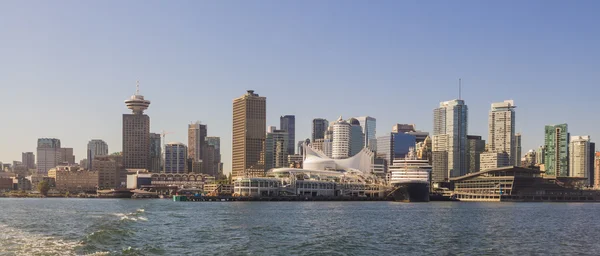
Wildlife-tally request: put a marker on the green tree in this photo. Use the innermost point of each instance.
(43, 188)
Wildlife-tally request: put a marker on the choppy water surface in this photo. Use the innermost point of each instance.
(163, 227)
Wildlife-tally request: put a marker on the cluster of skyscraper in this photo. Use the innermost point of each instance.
(257, 148)
(141, 150)
(450, 149)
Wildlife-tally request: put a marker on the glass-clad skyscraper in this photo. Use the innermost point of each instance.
(451, 119)
(556, 160)
(369, 126)
(288, 124)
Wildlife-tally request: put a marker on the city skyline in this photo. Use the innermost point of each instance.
(94, 102)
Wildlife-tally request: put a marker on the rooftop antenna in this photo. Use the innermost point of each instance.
(459, 88)
(137, 87)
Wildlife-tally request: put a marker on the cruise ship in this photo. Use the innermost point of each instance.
(410, 178)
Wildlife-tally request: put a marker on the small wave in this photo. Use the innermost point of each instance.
(141, 210)
(19, 242)
(143, 218)
(128, 218)
(97, 254)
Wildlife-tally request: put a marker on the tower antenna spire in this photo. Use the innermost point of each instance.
(459, 89)
(137, 87)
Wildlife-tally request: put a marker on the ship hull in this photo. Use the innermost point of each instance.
(411, 192)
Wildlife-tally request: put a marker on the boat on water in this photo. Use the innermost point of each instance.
(410, 178)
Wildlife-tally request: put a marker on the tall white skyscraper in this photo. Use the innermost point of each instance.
(451, 119)
(341, 139)
(579, 157)
(501, 130)
(95, 148)
(369, 127)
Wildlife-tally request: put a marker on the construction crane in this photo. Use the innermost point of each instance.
(163, 134)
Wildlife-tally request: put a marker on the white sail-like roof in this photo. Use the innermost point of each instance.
(316, 160)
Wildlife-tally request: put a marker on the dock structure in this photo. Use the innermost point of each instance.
(517, 184)
(192, 198)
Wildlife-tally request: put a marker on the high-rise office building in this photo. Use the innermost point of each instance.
(597, 170)
(319, 126)
(136, 133)
(451, 119)
(276, 153)
(357, 137)
(394, 146)
(28, 160)
(214, 143)
(476, 146)
(155, 154)
(196, 141)
(591, 163)
(492, 160)
(249, 124)
(369, 126)
(579, 157)
(95, 148)
(439, 154)
(288, 124)
(48, 154)
(501, 129)
(66, 156)
(341, 139)
(540, 155)
(556, 143)
(404, 128)
(108, 171)
(175, 158)
(517, 148)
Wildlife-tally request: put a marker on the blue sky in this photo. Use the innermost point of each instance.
(67, 66)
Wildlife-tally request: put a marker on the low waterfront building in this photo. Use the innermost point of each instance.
(213, 189)
(520, 184)
(22, 183)
(74, 179)
(139, 179)
(190, 180)
(35, 179)
(256, 187)
(6, 184)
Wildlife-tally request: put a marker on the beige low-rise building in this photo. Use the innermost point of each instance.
(108, 172)
(74, 179)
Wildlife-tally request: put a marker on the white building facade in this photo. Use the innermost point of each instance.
(451, 119)
(501, 129)
(579, 157)
(341, 139)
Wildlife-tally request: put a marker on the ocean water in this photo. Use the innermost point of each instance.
(163, 227)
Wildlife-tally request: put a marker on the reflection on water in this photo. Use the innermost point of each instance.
(163, 227)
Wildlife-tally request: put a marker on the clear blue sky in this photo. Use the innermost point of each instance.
(67, 66)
